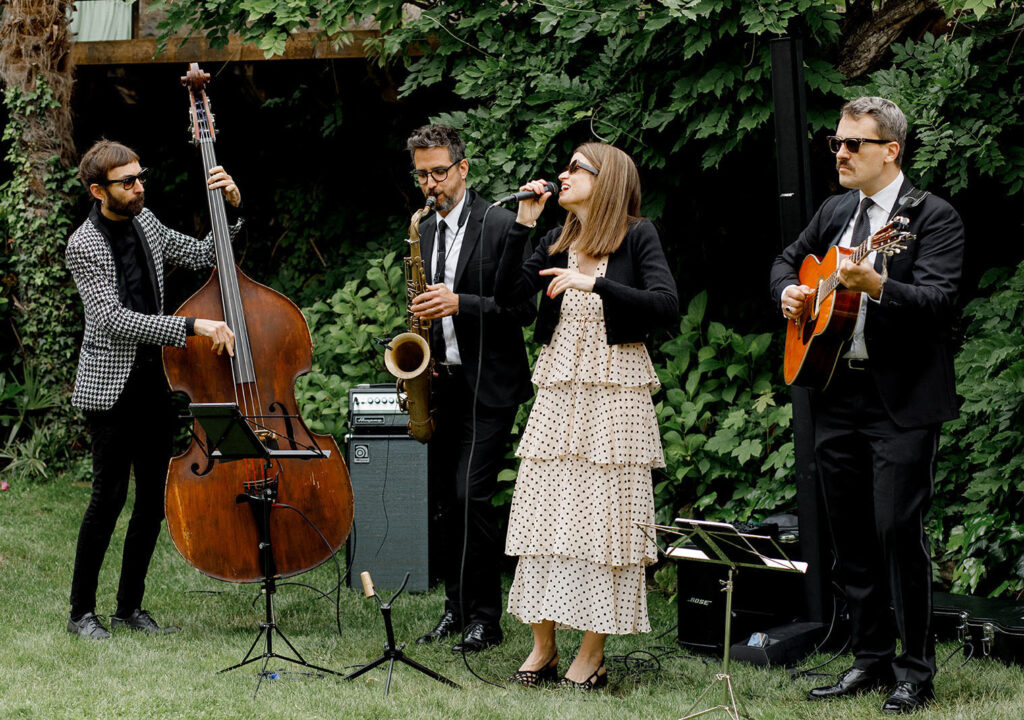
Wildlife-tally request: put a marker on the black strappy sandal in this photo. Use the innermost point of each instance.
(593, 682)
(533, 678)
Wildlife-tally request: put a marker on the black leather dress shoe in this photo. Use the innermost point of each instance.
(478, 637)
(853, 682)
(908, 697)
(142, 621)
(88, 626)
(447, 625)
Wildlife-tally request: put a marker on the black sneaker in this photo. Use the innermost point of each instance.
(140, 620)
(88, 626)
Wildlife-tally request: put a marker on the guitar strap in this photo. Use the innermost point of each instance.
(911, 199)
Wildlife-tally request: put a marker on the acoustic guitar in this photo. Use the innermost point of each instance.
(815, 339)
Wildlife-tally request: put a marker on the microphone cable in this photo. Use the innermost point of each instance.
(469, 463)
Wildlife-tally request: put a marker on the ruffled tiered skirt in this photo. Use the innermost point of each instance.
(585, 480)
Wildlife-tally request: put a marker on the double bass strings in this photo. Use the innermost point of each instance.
(243, 374)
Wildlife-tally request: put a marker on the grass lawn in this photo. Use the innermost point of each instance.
(47, 673)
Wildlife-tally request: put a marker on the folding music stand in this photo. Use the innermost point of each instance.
(721, 544)
(230, 437)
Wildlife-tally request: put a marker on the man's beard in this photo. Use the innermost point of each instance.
(444, 205)
(129, 209)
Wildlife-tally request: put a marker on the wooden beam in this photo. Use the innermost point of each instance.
(300, 46)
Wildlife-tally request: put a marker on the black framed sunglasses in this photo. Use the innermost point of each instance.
(852, 144)
(439, 174)
(577, 165)
(128, 182)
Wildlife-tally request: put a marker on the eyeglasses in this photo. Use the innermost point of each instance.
(439, 174)
(577, 165)
(127, 182)
(852, 144)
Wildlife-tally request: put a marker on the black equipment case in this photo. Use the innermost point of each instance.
(988, 627)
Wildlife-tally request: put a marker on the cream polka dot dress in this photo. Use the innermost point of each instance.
(585, 478)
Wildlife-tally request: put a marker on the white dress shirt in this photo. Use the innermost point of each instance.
(453, 246)
(878, 214)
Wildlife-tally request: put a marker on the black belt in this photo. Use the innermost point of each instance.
(857, 363)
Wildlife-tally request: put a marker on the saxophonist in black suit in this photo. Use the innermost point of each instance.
(877, 423)
(475, 343)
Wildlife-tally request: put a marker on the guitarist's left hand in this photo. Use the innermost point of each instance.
(860, 278)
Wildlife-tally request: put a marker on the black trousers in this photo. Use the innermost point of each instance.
(135, 434)
(461, 468)
(878, 482)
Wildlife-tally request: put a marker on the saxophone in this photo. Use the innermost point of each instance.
(407, 356)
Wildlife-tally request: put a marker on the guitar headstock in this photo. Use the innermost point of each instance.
(891, 238)
(195, 81)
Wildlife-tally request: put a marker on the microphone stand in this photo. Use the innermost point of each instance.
(391, 651)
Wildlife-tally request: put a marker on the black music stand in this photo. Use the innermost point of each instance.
(392, 652)
(721, 544)
(230, 437)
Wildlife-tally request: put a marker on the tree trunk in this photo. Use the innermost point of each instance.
(35, 43)
(37, 202)
(868, 32)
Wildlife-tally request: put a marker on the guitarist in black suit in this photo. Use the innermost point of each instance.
(460, 255)
(877, 423)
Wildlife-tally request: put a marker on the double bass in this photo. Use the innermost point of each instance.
(209, 522)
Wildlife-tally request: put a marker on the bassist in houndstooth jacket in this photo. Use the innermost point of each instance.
(116, 258)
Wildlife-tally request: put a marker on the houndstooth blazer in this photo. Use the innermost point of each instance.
(112, 331)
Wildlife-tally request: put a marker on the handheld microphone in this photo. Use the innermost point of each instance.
(551, 187)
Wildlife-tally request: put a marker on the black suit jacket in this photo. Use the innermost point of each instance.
(908, 333)
(505, 370)
(637, 291)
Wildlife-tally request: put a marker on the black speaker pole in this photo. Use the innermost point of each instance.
(791, 142)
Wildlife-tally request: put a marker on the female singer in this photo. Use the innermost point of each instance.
(592, 437)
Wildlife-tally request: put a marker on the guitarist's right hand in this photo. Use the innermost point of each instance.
(794, 301)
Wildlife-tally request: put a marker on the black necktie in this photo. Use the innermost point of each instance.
(862, 227)
(438, 350)
(439, 263)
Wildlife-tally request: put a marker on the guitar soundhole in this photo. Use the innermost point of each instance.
(806, 330)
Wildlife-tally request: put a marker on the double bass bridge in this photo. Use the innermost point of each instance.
(260, 487)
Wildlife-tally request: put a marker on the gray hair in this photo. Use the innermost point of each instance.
(431, 136)
(892, 123)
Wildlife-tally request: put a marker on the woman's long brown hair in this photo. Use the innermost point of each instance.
(614, 204)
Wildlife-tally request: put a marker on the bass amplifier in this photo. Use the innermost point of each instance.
(388, 469)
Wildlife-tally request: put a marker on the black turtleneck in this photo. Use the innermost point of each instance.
(136, 290)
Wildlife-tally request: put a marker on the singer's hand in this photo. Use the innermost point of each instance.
(437, 302)
(565, 279)
(530, 210)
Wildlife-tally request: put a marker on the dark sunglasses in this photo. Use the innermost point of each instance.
(439, 174)
(852, 144)
(577, 165)
(128, 182)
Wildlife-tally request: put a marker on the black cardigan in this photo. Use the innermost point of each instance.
(637, 291)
